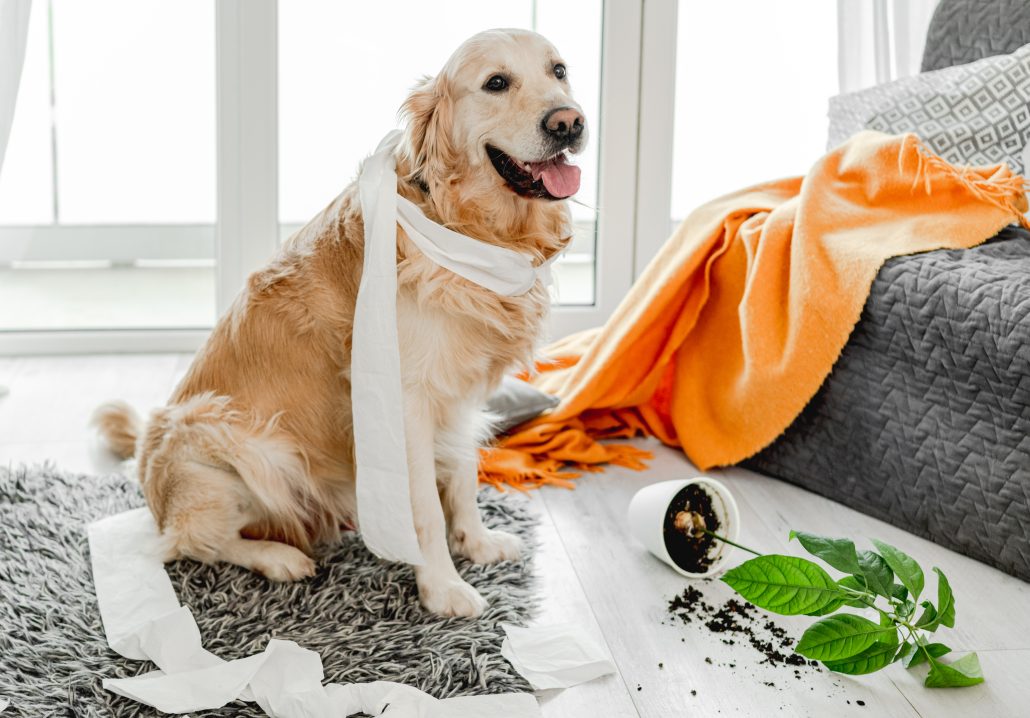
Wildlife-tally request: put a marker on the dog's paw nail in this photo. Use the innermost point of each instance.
(487, 546)
(452, 598)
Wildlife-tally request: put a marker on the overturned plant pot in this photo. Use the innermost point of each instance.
(672, 519)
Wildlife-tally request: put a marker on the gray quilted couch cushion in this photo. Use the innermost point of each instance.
(925, 420)
(963, 31)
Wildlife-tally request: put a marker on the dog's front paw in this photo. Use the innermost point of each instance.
(486, 546)
(451, 597)
(281, 563)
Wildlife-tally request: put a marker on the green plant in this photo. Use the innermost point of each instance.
(847, 642)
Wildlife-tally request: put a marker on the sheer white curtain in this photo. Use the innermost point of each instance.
(880, 40)
(14, 28)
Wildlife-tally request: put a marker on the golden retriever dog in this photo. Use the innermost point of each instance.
(252, 460)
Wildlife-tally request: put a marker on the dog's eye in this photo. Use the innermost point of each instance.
(497, 83)
(559, 71)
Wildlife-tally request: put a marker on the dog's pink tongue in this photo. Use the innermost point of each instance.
(560, 178)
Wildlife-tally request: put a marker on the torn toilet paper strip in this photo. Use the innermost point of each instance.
(143, 620)
(385, 517)
(557, 656)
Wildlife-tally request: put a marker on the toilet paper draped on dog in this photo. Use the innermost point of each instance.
(385, 515)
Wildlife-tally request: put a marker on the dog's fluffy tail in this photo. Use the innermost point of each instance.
(118, 425)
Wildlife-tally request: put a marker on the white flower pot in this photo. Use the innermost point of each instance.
(651, 511)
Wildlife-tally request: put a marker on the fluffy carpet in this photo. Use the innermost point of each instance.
(361, 615)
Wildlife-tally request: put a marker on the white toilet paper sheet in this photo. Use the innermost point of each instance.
(143, 620)
(558, 656)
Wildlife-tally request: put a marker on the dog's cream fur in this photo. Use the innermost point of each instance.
(252, 460)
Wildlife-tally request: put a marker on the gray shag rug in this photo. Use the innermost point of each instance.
(361, 615)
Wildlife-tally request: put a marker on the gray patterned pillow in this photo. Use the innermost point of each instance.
(976, 114)
(517, 401)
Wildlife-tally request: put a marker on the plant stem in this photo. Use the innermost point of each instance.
(912, 633)
(731, 543)
(861, 596)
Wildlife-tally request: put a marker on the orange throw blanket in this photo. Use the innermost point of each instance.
(734, 325)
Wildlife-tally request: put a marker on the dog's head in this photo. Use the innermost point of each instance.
(497, 122)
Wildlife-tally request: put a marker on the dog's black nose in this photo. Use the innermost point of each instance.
(564, 124)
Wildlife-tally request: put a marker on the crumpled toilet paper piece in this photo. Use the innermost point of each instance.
(129, 578)
(198, 689)
(143, 620)
(557, 656)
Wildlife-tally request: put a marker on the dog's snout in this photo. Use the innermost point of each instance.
(564, 124)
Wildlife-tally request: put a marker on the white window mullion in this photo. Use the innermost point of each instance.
(911, 19)
(656, 130)
(247, 88)
(882, 41)
(855, 40)
(617, 168)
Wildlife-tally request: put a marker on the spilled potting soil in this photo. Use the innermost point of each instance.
(759, 643)
(740, 623)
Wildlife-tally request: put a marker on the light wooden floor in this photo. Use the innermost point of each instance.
(592, 572)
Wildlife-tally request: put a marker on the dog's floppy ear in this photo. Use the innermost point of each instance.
(427, 147)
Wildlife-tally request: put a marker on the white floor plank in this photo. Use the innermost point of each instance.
(79, 457)
(562, 600)
(52, 398)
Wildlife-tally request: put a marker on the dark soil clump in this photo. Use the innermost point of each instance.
(740, 618)
(688, 547)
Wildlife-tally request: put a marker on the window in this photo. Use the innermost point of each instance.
(108, 211)
(748, 117)
(162, 148)
(107, 195)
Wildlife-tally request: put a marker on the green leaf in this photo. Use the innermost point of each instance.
(928, 618)
(839, 553)
(944, 614)
(892, 637)
(918, 655)
(903, 652)
(903, 566)
(876, 572)
(899, 592)
(965, 671)
(829, 607)
(783, 584)
(871, 659)
(856, 585)
(841, 636)
(945, 600)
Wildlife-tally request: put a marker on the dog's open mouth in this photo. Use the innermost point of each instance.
(553, 178)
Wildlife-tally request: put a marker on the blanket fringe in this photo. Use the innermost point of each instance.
(1005, 193)
(502, 467)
